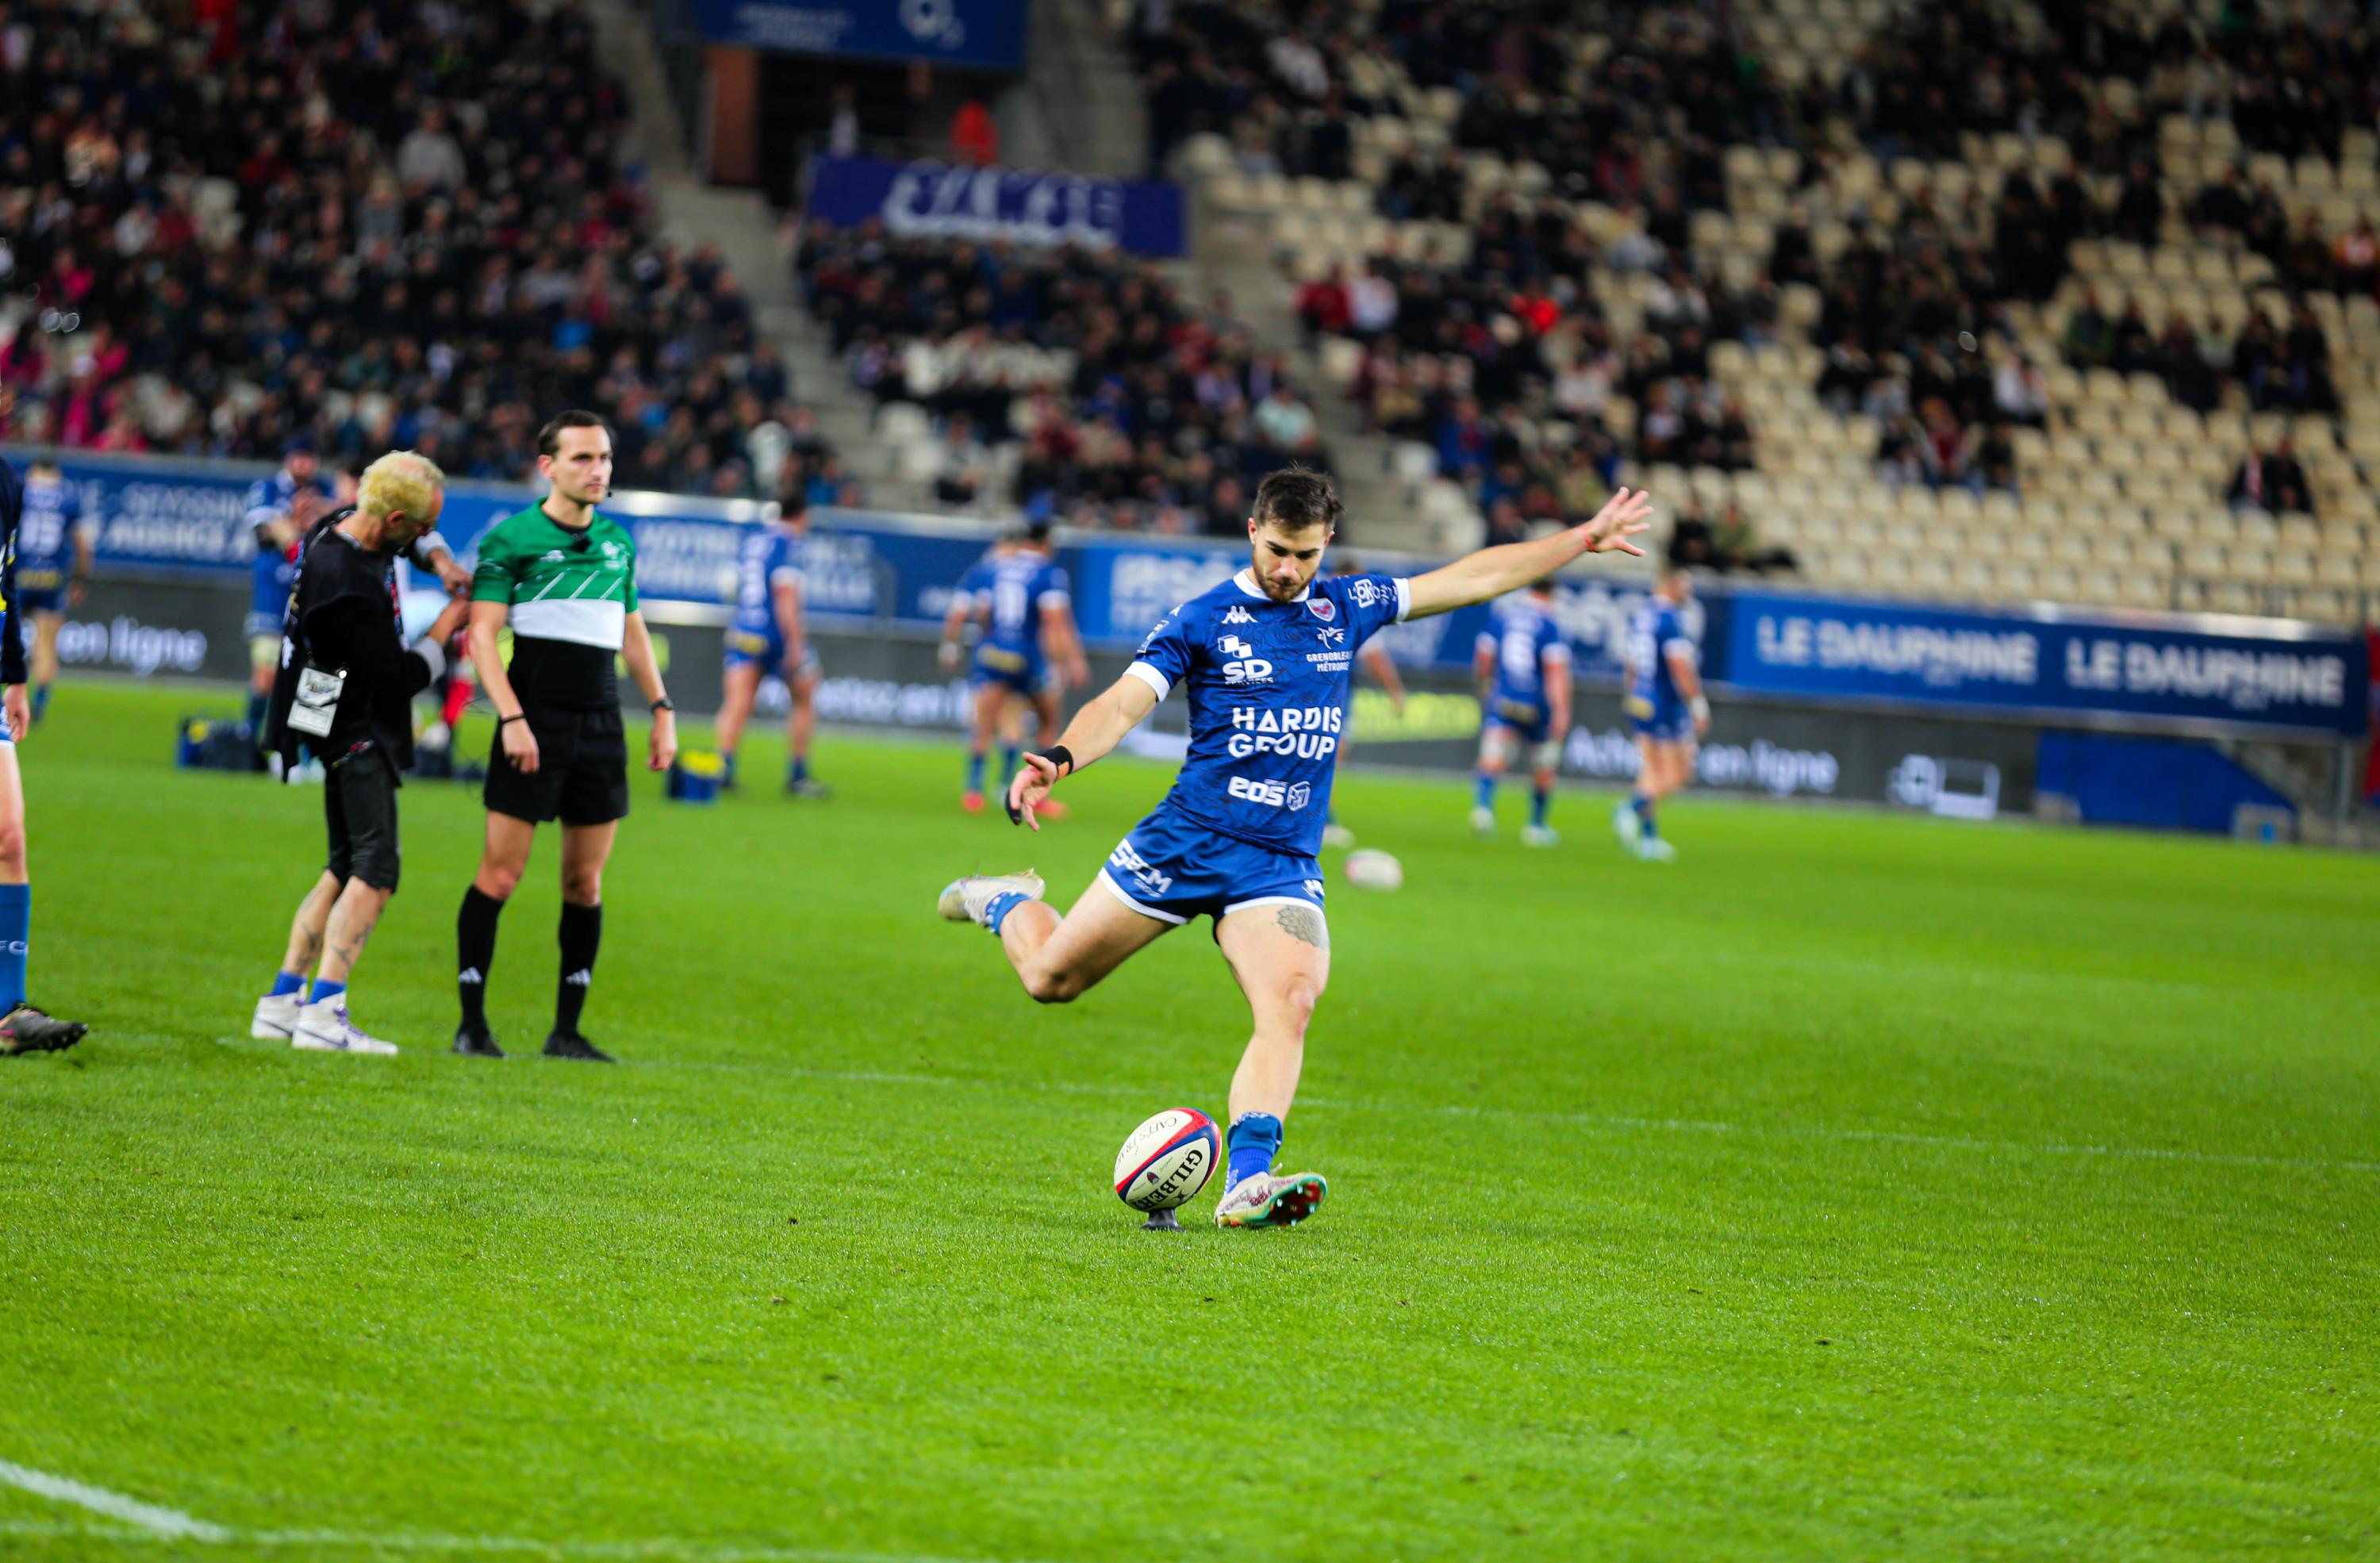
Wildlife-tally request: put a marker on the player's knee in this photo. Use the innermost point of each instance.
(1050, 985)
(12, 848)
(497, 880)
(1296, 1006)
(583, 887)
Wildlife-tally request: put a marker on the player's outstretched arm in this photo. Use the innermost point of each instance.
(1492, 572)
(1099, 727)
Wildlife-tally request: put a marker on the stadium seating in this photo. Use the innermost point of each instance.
(2046, 170)
(405, 224)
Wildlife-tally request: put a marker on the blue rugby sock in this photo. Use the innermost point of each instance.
(1007, 765)
(1540, 799)
(1645, 815)
(1483, 791)
(1255, 1140)
(16, 932)
(798, 769)
(258, 707)
(975, 773)
(996, 910)
(322, 990)
(287, 983)
(41, 702)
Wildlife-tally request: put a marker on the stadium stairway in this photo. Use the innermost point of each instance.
(751, 237)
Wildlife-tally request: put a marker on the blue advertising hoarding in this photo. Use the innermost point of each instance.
(987, 33)
(935, 199)
(2141, 669)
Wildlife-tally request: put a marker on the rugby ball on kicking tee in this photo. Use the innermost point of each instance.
(1168, 1160)
(1369, 868)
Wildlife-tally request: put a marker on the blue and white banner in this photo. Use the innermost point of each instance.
(2262, 675)
(987, 33)
(2145, 670)
(1007, 205)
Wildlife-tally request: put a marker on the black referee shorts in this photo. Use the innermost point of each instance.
(359, 807)
(582, 769)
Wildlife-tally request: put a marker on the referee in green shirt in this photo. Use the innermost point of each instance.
(564, 578)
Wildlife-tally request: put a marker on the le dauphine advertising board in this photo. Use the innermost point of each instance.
(161, 518)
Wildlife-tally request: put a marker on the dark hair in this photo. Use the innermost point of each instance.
(1036, 532)
(1295, 499)
(549, 439)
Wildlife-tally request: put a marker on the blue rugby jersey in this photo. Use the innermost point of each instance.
(1267, 688)
(1657, 632)
(45, 538)
(269, 499)
(770, 557)
(1015, 587)
(1523, 638)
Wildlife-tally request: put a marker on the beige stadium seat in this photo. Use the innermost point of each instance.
(2058, 583)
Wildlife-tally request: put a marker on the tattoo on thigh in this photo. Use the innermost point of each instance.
(1305, 924)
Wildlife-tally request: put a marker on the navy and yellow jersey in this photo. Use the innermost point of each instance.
(1530, 652)
(1013, 591)
(12, 622)
(1655, 634)
(51, 520)
(1267, 688)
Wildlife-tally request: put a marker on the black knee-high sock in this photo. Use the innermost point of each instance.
(475, 951)
(581, 936)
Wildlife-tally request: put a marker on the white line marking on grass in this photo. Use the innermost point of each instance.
(168, 1523)
(376, 1541)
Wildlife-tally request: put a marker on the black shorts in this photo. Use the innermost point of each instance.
(582, 769)
(359, 807)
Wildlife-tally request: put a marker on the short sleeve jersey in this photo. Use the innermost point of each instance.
(569, 594)
(1267, 683)
(770, 557)
(270, 499)
(1655, 634)
(1526, 642)
(45, 538)
(1012, 590)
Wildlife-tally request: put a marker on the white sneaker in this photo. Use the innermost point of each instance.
(324, 1028)
(1539, 836)
(1339, 836)
(963, 900)
(276, 1017)
(1625, 825)
(1483, 821)
(1267, 1199)
(1653, 849)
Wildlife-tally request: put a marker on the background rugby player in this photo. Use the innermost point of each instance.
(54, 557)
(563, 578)
(23, 1028)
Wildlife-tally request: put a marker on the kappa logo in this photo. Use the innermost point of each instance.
(1233, 645)
(1323, 608)
(1239, 616)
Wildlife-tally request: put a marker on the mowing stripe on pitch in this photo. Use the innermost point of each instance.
(168, 1523)
(306, 1542)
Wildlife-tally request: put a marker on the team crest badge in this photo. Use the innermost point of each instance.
(1324, 609)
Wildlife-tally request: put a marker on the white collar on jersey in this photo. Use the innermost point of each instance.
(1246, 581)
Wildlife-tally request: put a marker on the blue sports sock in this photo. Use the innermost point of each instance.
(1255, 1140)
(258, 707)
(996, 909)
(41, 702)
(287, 983)
(727, 764)
(799, 769)
(1007, 765)
(1483, 791)
(1540, 799)
(975, 773)
(16, 929)
(325, 991)
(1644, 816)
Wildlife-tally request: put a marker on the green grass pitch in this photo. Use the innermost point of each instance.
(1856, 1187)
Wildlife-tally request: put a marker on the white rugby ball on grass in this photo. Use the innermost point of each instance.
(1168, 1160)
(1370, 868)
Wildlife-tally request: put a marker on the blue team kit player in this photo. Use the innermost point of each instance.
(1029, 652)
(280, 511)
(54, 556)
(1265, 660)
(770, 633)
(1666, 706)
(1523, 664)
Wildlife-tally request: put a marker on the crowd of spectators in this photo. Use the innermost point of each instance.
(405, 224)
(2282, 368)
(1130, 405)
